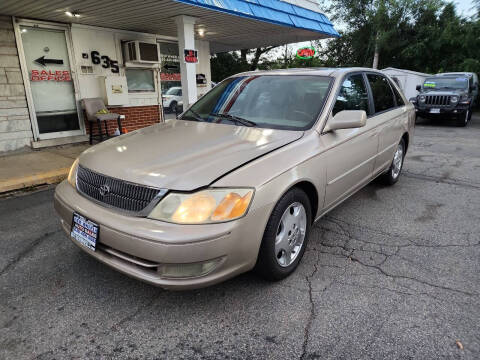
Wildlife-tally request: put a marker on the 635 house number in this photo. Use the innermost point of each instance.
(105, 61)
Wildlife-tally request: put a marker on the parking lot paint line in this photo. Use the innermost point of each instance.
(22, 182)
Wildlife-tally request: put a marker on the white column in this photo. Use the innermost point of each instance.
(186, 40)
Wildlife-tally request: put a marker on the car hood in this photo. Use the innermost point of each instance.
(182, 155)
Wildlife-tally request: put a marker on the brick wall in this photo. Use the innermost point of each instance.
(15, 126)
(136, 117)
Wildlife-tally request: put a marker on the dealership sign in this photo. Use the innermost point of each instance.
(50, 75)
(305, 53)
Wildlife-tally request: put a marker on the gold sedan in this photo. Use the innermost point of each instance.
(236, 182)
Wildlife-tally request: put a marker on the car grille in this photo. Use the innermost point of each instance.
(114, 192)
(441, 100)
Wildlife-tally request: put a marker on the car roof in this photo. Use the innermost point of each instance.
(468, 74)
(333, 72)
(450, 75)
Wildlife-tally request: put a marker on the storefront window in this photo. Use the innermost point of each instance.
(140, 80)
(170, 75)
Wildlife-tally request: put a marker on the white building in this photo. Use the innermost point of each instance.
(408, 80)
(55, 53)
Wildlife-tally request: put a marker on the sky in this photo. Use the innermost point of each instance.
(465, 7)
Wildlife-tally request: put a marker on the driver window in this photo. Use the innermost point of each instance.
(352, 96)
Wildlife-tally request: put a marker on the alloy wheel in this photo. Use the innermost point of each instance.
(290, 234)
(397, 161)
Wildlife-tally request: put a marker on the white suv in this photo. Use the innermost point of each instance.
(172, 99)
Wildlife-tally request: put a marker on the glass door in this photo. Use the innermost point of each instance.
(52, 90)
(170, 80)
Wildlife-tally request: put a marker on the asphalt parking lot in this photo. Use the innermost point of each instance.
(393, 273)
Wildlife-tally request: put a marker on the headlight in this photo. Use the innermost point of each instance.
(72, 174)
(421, 98)
(203, 207)
(454, 99)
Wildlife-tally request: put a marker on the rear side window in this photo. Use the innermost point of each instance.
(398, 97)
(352, 96)
(381, 93)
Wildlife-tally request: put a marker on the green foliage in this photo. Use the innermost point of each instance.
(224, 65)
(421, 35)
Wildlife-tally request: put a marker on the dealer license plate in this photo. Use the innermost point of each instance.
(84, 231)
(435, 111)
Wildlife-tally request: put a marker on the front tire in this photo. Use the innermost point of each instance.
(393, 173)
(285, 237)
(464, 118)
(173, 107)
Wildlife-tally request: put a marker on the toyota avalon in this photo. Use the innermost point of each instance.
(236, 182)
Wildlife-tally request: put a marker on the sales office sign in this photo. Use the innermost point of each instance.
(49, 75)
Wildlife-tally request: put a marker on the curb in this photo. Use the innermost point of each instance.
(49, 177)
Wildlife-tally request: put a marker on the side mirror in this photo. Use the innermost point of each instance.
(346, 119)
(419, 87)
(473, 88)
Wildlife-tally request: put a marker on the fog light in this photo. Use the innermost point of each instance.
(192, 270)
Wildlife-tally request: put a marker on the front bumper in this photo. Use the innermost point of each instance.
(131, 244)
(425, 111)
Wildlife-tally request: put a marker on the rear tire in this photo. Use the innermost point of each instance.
(285, 237)
(393, 173)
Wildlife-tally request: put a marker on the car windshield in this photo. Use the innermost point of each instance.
(454, 82)
(291, 102)
(173, 91)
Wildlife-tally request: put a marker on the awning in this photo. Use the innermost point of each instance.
(272, 11)
(227, 24)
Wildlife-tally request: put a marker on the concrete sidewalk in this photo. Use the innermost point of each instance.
(33, 168)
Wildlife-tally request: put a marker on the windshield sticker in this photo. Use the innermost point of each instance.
(430, 84)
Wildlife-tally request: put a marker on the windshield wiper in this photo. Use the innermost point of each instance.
(195, 116)
(235, 118)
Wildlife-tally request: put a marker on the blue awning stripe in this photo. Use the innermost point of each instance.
(273, 11)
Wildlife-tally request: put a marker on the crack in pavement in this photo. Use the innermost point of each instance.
(424, 282)
(35, 243)
(409, 240)
(407, 292)
(312, 314)
(378, 266)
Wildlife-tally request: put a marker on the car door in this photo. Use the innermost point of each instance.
(390, 114)
(179, 97)
(352, 152)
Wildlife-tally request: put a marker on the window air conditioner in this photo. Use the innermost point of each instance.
(141, 52)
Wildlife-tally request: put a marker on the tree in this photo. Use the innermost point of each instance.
(377, 26)
(421, 35)
(229, 63)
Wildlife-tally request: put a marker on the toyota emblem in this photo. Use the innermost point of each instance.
(104, 189)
